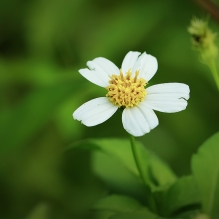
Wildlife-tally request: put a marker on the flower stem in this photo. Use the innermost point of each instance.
(214, 72)
(151, 199)
(136, 158)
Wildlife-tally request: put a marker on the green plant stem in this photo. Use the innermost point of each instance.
(151, 199)
(136, 158)
(214, 72)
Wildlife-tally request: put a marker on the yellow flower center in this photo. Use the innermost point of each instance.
(125, 90)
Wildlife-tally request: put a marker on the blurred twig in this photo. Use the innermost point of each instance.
(210, 7)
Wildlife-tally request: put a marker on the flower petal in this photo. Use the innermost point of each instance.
(95, 111)
(99, 71)
(104, 65)
(139, 120)
(129, 61)
(149, 115)
(168, 98)
(95, 77)
(147, 65)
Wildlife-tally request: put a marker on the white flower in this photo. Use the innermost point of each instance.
(126, 89)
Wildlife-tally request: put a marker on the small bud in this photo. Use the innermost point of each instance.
(203, 40)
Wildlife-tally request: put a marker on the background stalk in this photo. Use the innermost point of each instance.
(214, 72)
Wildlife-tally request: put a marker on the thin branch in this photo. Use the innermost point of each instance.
(210, 7)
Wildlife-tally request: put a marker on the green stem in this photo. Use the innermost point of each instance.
(151, 199)
(136, 158)
(214, 72)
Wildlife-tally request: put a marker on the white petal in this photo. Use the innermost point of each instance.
(149, 115)
(168, 98)
(99, 71)
(139, 120)
(95, 111)
(95, 77)
(129, 61)
(104, 65)
(147, 65)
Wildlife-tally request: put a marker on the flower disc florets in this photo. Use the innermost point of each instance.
(125, 90)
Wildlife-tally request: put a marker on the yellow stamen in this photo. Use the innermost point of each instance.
(125, 90)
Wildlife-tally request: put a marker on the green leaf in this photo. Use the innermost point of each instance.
(191, 214)
(101, 214)
(205, 167)
(136, 215)
(116, 176)
(158, 176)
(141, 214)
(118, 203)
(113, 162)
(160, 173)
(182, 194)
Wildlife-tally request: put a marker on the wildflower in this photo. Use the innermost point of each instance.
(126, 90)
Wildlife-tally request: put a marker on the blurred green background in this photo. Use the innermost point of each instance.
(43, 44)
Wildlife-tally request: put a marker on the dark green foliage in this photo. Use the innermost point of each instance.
(205, 166)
